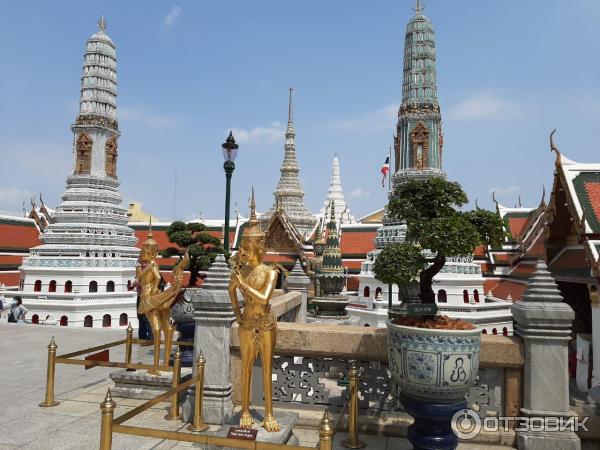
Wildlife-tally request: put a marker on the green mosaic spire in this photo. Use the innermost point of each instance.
(419, 140)
(332, 256)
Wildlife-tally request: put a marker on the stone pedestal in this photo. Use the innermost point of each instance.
(297, 280)
(183, 315)
(544, 323)
(213, 316)
(139, 384)
(285, 436)
(595, 399)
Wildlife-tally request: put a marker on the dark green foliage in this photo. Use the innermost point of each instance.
(202, 247)
(396, 264)
(431, 210)
(489, 226)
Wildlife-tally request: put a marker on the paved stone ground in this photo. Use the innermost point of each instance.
(75, 423)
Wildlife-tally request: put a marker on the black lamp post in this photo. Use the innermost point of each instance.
(230, 149)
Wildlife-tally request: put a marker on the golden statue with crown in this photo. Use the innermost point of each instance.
(258, 326)
(154, 303)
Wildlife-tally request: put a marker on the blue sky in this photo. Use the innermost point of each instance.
(508, 73)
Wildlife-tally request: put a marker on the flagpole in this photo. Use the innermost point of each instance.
(391, 172)
(390, 299)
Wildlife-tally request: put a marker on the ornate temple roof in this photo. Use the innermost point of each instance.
(335, 197)
(289, 194)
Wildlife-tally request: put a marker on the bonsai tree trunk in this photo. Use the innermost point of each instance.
(193, 271)
(426, 279)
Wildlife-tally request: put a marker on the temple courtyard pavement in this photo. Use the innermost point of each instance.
(75, 422)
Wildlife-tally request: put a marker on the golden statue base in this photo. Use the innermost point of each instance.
(49, 405)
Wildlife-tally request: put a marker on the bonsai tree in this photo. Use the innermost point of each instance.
(201, 246)
(431, 210)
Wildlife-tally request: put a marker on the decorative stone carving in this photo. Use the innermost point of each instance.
(83, 158)
(111, 157)
(303, 382)
(419, 138)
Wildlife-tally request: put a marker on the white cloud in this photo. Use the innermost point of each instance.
(486, 105)
(12, 198)
(359, 192)
(503, 190)
(270, 134)
(380, 119)
(147, 116)
(172, 16)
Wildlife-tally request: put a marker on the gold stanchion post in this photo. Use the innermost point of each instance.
(174, 411)
(326, 433)
(108, 410)
(49, 399)
(128, 344)
(197, 426)
(353, 441)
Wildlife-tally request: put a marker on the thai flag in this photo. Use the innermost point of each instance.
(384, 170)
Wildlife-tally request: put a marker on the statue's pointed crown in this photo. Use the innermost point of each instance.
(150, 243)
(253, 231)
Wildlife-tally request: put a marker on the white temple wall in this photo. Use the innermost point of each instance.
(80, 280)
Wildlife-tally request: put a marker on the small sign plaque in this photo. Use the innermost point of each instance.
(242, 433)
(100, 356)
(422, 309)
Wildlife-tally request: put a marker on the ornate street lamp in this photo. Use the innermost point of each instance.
(230, 149)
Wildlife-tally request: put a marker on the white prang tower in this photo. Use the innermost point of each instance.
(82, 275)
(335, 197)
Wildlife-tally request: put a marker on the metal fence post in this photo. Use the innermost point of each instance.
(197, 426)
(108, 410)
(326, 433)
(49, 398)
(353, 441)
(174, 411)
(128, 344)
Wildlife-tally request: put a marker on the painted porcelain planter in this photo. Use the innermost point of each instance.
(433, 365)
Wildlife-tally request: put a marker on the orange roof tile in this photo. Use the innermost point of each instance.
(357, 242)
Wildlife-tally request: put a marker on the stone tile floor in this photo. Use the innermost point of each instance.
(75, 422)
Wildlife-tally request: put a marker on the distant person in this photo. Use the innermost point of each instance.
(17, 311)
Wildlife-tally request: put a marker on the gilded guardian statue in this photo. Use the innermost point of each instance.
(154, 304)
(258, 326)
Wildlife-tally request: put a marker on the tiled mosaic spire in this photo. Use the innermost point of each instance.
(289, 195)
(98, 102)
(419, 139)
(332, 256)
(335, 196)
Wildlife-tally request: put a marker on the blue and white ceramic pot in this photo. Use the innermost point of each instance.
(433, 365)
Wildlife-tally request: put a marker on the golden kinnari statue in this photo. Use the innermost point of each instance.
(258, 326)
(154, 303)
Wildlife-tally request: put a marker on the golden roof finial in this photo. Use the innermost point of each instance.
(419, 7)
(102, 24)
(543, 202)
(496, 201)
(554, 148)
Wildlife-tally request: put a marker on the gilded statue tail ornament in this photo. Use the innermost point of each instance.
(164, 300)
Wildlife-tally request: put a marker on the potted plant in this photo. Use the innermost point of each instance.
(433, 358)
